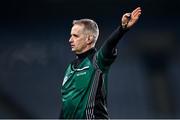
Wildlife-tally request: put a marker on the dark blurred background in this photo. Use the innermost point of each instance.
(144, 81)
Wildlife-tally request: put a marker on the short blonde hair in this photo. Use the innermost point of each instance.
(90, 26)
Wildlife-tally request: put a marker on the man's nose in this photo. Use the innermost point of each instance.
(70, 40)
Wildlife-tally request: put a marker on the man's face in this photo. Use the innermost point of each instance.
(78, 39)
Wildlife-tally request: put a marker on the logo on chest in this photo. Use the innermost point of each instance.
(81, 73)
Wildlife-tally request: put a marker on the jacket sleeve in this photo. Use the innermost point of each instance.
(108, 52)
(109, 47)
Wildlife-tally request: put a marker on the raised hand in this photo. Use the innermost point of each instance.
(129, 19)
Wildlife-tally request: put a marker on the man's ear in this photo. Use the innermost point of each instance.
(89, 39)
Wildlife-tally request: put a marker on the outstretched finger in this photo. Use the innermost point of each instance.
(136, 12)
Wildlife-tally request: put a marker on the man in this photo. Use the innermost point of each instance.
(84, 88)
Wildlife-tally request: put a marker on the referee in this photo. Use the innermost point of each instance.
(84, 88)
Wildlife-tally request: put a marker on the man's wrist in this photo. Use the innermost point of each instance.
(123, 27)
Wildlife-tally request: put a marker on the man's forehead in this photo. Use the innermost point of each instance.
(77, 28)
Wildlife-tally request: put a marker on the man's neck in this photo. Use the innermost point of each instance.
(85, 54)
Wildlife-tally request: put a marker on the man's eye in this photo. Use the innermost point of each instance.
(75, 35)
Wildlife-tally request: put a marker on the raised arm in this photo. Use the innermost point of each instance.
(127, 21)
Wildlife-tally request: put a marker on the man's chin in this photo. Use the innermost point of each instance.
(73, 50)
